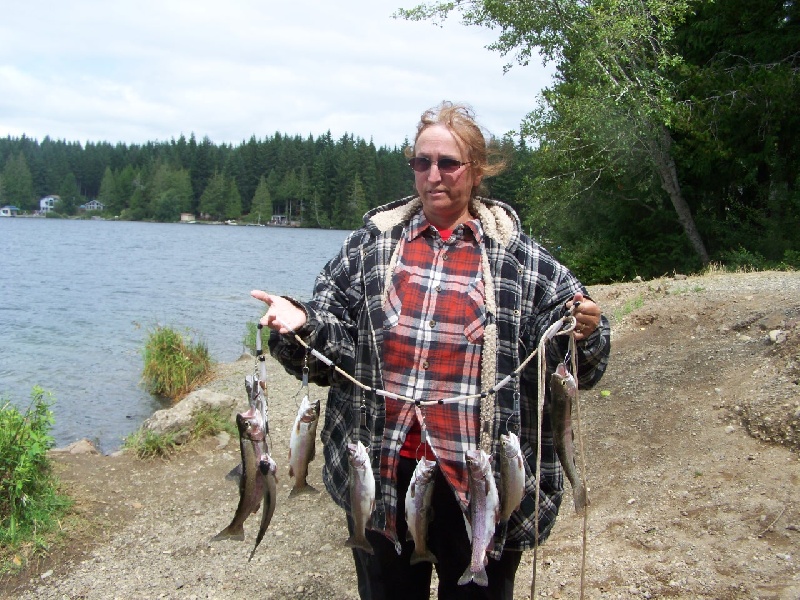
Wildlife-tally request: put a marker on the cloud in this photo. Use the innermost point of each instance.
(146, 70)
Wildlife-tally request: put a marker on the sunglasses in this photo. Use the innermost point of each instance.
(445, 165)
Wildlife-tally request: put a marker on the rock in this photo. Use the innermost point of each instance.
(776, 336)
(83, 446)
(178, 419)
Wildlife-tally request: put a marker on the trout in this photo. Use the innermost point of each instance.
(512, 476)
(253, 446)
(484, 511)
(418, 509)
(563, 390)
(362, 496)
(301, 445)
(268, 469)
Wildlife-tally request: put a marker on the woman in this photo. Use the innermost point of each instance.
(438, 296)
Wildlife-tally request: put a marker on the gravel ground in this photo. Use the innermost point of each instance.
(691, 445)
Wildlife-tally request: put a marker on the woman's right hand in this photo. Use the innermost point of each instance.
(281, 316)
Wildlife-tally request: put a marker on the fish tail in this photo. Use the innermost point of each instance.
(579, 498)
(360, 542)
(303, 489)
(426, 556)
(230, 533)
(478, 577)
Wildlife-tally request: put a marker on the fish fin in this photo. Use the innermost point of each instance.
(230, 534)
(466, 577)
(417, 557)
(360, 542)
(235, 474)
(480, 578)
(579, 498)
(303, 489)
(291, 470)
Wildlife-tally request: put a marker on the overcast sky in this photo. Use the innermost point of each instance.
(150, 70)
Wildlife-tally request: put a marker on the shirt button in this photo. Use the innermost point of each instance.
(425, 364)
(438, 289)
(432, 324)
(444, 256)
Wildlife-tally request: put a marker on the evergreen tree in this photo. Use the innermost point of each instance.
(213, 201)
(109, 195)
(18, 183)
(70, 196)
(261, 205)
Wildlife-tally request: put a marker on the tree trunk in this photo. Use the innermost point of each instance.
(665, 165)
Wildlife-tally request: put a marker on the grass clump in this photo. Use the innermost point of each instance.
(211, 421)
(30, 503)
(171, 364)
(146, 444)
(207, 421)
(627, 308)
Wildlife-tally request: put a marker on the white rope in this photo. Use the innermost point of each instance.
(554, 330)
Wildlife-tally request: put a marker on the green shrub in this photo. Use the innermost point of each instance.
(30, 504)
(211, 421)
(149, 444)
(171, 365)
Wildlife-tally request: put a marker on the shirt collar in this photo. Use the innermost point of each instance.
(419, 224)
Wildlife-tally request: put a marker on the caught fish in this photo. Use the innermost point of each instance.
(268, 469)
(512, 476)
(301, 445)
(253, 446)
(563, 389)
(484, 511)
(362, 496)
(418, 509)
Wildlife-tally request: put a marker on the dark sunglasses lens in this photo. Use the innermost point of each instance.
(420, 164)
(448, 165)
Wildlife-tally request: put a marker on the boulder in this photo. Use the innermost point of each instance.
(178, 419)
(83, 446)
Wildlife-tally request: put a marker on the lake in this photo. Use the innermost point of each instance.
(78, 299)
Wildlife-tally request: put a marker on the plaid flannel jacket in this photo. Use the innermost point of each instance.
(345, 320)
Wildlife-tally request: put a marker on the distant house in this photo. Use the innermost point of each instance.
(187, 217)
(48, 203)
(93, 205)
(8, 211)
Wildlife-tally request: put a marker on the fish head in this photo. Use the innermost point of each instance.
(478, 463)
(250, 426)
(267, 465)
(357, 454)
(510, 443)
(565, 380)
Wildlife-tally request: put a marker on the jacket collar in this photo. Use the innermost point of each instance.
(499, 221)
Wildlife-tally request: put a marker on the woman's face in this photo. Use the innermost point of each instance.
(445, 196)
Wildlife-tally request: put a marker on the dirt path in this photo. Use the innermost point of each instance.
(685, 501)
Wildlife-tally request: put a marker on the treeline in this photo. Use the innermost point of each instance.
(319, 182)
(668, 140)
(670, 136)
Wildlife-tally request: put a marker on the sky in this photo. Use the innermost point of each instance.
(134, 71)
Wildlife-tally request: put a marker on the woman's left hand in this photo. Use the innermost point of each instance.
(587, 315)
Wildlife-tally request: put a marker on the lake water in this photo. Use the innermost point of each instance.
(78, 298)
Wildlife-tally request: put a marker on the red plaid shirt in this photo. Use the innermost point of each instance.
(433, 333)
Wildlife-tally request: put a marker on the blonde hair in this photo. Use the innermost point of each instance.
(460, 120)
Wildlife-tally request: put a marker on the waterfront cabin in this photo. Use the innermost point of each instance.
(48, 203)
(8, 211)
(93, 205)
